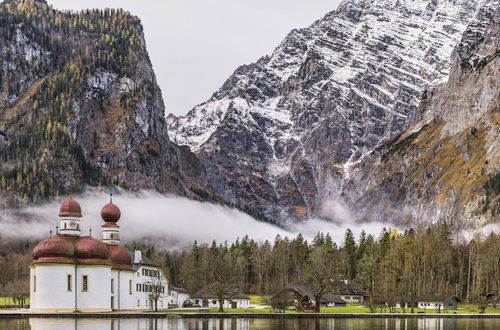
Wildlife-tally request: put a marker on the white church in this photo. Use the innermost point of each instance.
(75, 273)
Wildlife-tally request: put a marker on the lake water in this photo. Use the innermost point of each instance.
(173, 323)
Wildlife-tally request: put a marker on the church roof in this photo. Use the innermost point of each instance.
(70, 208)
(71, 250)
(85, 250)
(110, 213)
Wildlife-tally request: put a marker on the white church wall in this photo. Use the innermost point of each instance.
(32, 293)
(127, 297)
(52, 293)
(98, 294)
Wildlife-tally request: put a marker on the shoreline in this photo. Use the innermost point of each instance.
(18, 314)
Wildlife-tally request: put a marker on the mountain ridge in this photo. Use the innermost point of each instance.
(283, 133)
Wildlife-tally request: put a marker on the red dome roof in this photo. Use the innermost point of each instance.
(88, 250)
(110, 213)
(58, 248)
(120, 257)
(70, 208)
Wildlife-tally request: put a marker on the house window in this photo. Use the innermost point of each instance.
(214, 301)
(85, 283)
(69, 282)
(34, 283)
(112, 285)
(138, 302)
(129, 286)
(138, 287)
(146, 302)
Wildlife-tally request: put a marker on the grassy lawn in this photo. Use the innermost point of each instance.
(5, 301)
(350, 308)
(257, 300)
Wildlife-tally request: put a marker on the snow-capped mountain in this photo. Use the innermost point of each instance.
(281, 136)
(446, 167)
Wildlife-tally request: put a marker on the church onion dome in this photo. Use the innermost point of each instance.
(110, 213)
(90, 251)
(70, 208)
(120, 257)
(56, 249)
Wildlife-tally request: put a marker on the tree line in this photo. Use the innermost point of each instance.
(393, 267)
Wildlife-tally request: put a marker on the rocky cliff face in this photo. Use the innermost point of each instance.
(79, 105)
(447, 166)
(282, 135)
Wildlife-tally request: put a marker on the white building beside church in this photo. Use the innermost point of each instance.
(71, 272)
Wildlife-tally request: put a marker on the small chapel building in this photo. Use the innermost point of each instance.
(75, 273)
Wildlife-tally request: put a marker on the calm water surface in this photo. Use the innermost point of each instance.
(243, 324)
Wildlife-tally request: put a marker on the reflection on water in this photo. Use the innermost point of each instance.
(174, 323)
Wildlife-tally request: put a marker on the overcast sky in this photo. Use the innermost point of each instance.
(196, 44)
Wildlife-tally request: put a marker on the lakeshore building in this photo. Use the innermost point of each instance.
(232, 299)
(75, 273)
(439, 302)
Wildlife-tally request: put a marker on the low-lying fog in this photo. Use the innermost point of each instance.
(173, 222)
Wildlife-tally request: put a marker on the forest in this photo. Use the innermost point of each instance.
(395, 267)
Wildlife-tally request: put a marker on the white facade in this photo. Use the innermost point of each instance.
(59, 288)
(228, 303)
(352, 298)
(437, 305)
(177, 298)
(146, 278)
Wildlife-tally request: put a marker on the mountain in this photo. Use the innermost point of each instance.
(79, 105)
(382, 110)
(447, 165)
(283, 136)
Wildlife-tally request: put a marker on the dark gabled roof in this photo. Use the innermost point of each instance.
(177, 289)
(231, 294)
(440, 298)
(304, 290)
(347, 287)
(148, 262)
(331, 298)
